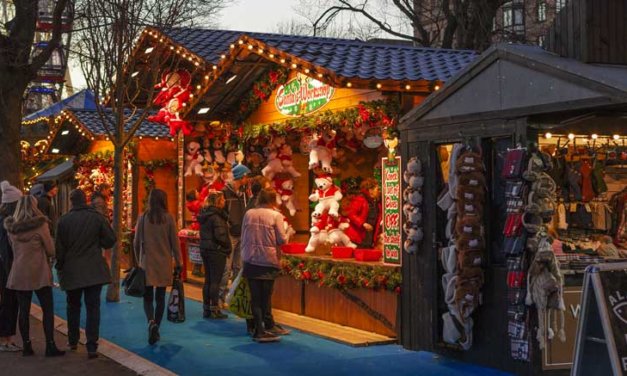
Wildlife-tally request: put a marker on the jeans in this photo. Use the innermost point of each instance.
(24, 298)
(233, 265)
(261, 298)
(215, 264)
(156, 294)
(92, 307)
(8, 312)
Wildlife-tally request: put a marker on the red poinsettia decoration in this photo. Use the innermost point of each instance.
(306, 275)
(274, 76)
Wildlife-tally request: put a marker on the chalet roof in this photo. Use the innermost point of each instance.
(346, 58)
(93, 123)
(510, 80)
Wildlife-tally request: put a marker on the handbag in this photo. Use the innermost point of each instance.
(135, 281)
(240, 301)
(176, 302)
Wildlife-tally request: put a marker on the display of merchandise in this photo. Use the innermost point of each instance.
(412, 195)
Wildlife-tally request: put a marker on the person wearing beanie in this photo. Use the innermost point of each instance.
(8, 303)
(45, 205)
(82, 233)
(237, 196)
(33, 246)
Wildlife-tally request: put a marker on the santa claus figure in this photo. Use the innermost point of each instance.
(174, 92)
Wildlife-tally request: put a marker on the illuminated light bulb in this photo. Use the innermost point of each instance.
(594, 136)
(306, 70)
(215, 67)
(436, 87)
(250, 46)
(196, 63)
(571, 136)
(348, 84)
(171, 47)
(149, 49)
(191, 95)
(140, 137)
(294, 66)
(260, 50)
(184, 104)
(232, 46)
(184, 56)
(548, 135)
(378, 86)
(222, 56)
(616, 137)
(407, 87)
(282, 61)
(240, 41)
(271, 56)
(206, 77)
(161, 40)
(198, 87)
(320, 75)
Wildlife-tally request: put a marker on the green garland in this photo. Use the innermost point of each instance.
(379, 113)
(341, 275)
(261, 91)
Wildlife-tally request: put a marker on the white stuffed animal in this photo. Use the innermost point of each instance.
(414, 169)
(213, 151)
(327, 195)
(193, 159)
(335, 229)
(285, 194)
(318, 233)
(280, 161)
(323, 151)
(412, 196)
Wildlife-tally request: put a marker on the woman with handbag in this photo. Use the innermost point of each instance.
(33, 246)
(155, 244)
(215, 248)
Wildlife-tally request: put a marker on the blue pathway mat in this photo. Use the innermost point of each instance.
(199, 346)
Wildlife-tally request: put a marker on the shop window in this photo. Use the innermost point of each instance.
(514, 18)
(507, 17)
(559, 4)
(541, 11)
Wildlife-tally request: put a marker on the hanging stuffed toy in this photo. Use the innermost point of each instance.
(175, 91)
(284, 188)
(213, 152)
(318, 232)
(279, 161)
(327, 195)
(193, 159)
(323, 151)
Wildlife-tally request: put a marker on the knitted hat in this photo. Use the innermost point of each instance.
(239, 171)
(9, 193)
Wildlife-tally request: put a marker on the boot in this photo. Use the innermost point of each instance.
(27, 349)
(51, 349)
(216, 314)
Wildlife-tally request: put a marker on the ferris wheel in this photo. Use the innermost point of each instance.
(48, 85)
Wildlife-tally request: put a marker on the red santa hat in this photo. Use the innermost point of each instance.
(327, 177)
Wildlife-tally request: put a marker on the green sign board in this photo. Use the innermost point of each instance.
(302, 95)
(391, 205)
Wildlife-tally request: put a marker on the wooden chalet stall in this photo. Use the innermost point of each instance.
(517, 102)
(151, 158)
(274, 99)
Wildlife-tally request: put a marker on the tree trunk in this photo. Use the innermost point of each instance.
(113, 291)
(10, 123)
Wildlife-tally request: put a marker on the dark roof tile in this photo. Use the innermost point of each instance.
(346, 58)
(92, 121)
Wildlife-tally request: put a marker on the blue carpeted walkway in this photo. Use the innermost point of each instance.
(222, 347)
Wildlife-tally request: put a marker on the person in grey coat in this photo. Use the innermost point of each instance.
(155, 244)
(82, 233)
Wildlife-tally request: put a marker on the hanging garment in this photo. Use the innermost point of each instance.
(562, 224)
(572, 187)
(557, 171)
(598, 180)
(587, 192)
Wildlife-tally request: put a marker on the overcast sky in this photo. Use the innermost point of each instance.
(243, 15)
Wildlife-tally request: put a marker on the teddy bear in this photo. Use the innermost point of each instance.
(323, 150)
(174, 92)
(327, 195)
(284, 188)
(413, 196)
(280, 160)
(193, 159)
(335, 230)
(213, 151)
(412, 213)
(318, 232)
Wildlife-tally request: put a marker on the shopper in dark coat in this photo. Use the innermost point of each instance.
(8, 297)
(32, 246)
(45, 204)
(215, 248)
(155, 245)
(81, 235)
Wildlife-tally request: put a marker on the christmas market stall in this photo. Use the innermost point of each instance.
(316, 119)
(524, 157)
(150, 159)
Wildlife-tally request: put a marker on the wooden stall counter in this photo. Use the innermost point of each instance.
(357, 294)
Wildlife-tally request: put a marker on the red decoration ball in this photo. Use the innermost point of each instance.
(301, 266)
(307, 275)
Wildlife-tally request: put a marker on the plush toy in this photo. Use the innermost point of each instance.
(335, 230)
(213, 151)
(193, 204)
(327, 195)
(289, 229)
(280, 161)
(323, 151)
(193, 159)
(285, 193)
(413, 196)
(174, 92)
(318, 232)
(211, 181)
(253, 161)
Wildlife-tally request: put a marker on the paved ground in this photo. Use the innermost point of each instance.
(72, 364)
